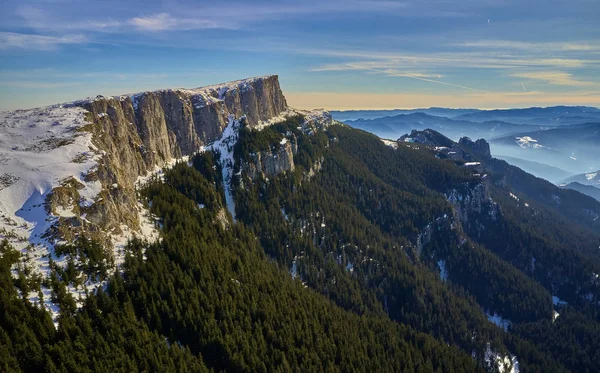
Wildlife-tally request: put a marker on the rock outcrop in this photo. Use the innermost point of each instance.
(271, 163)
(473, 207)
(480, 148)
(137, 133)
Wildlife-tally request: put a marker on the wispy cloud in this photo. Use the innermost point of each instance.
(554, 77)
(49, 22)
(166, 21)
(384, 60)
(37, 84)
(10, 40)
(570, 46)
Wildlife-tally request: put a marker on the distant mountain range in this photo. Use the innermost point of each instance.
(585, 189)
(553, 174)
(396, 126)
(373, 114)
(573, 147)
(553, 143)
(552, 116)
(588, 178)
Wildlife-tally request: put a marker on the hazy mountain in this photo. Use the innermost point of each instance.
(550, 173)
(588, 178)
(574, 147)
(589, 190)
(549, 116)
(396, 126)
(345, 115)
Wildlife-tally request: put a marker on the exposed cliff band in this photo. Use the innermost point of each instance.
(142, 131)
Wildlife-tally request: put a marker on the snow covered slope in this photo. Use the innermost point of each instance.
(39, 149)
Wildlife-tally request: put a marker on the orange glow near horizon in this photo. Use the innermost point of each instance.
(383, 101)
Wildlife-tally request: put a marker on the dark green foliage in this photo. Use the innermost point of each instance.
(93, 259)
(363, 210)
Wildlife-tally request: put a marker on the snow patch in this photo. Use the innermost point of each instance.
(499, 320)
(528, 142)
(555, 316)
(557, 301)
(504, 364)
(443, 271)
(390, 143)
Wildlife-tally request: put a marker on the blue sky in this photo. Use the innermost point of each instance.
(332, 54)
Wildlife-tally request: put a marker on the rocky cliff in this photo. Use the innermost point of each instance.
(271, 163)
(137, 133)
(71, 170)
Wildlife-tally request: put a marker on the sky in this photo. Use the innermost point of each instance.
(351, 54)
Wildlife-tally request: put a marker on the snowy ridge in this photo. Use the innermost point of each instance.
(222, 88)
(311, 117)
(208, 94)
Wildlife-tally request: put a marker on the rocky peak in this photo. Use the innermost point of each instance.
(427, 137)
(480, 148)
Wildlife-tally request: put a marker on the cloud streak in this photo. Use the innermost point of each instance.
(9, 40)
(167, 22)
(555, 78)
(420, 77)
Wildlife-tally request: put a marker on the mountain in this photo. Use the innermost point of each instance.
(588, 178)
(217, 229)
(396, 126)
(575, 147)
(585, 189)
(550, 173)
(549, 116)
(345, 115)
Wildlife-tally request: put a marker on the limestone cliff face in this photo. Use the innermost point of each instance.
(271, 163)
(473, 207)
(139, 132)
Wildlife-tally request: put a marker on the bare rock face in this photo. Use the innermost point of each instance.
(480, 148)
(137, 133)
(473, 207)
(270, 164)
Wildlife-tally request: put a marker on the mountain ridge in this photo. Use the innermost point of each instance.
(103, 148)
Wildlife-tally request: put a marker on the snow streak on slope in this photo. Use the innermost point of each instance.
(224, 147)
(443, 271)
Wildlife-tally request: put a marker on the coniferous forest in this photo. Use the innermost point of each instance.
(360, 264)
